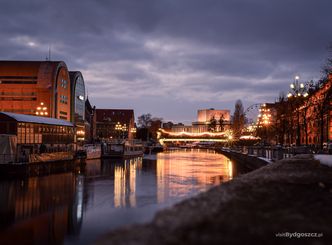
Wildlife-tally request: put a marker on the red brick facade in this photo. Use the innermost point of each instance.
(35, 88)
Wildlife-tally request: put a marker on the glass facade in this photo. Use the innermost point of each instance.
(31, 133)
(79, 99)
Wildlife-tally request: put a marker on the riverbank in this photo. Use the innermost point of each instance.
(293, 195)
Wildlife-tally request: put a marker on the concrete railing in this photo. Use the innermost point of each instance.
(273, 153)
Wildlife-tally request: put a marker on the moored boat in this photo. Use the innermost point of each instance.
(93, 151)
(122, 149)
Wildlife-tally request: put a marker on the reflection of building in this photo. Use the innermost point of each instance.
(78, 103)
(183, 172)
(114, 123)
(35, 88)
(41, 210)
(125, 183)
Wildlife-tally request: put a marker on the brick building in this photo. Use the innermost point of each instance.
(114, 123)
(35, 88)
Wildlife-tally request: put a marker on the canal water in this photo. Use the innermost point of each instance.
(78, 207)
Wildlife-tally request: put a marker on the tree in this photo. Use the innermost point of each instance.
(222, 122)
(144, 121)
(238, 119)
(212, 124)
(327, 67)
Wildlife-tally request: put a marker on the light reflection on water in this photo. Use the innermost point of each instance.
(76, 208)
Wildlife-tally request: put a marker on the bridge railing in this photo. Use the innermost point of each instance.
(273, 153)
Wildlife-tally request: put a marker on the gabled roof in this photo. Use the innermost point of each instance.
(115, 115)
(35, 119)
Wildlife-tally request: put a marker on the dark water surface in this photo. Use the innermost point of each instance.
(78, 207)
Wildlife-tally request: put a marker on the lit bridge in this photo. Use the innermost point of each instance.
(166, 136)
(225, 136)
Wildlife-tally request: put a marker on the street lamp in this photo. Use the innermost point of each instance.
(118, 128)
(41, 110)
(264, 119)
(124, 130)
(298, 91)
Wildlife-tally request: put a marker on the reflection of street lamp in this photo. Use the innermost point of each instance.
(298, 91)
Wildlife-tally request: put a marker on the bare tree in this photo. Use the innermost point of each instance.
(238, 119)
(144, 121)
(212, 124)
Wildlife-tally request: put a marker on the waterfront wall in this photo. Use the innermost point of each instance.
(292, 195)
(248, 162)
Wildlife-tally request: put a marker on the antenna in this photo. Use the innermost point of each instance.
(49, 52)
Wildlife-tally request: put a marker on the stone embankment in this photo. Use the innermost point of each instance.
(292, 197)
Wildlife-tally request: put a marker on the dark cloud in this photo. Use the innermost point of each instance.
(156, 55)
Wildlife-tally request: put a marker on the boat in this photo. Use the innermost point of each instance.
(93, 151)
(122, 149)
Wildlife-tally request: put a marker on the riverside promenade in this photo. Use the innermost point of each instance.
(287, 202)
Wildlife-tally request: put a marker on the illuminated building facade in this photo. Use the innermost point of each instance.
(35, 88)
(315, 116)
(203, 122)
(78, 103)
(205, 115)
(306, 119)
(114, 124)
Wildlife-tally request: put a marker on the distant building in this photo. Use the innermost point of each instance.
(203, 122)
(90, 122)
(205, 115)
(35, 88)
(114, 123)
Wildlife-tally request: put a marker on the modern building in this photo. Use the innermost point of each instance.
(39, 88)
(203, 123)
(78, 104)
(114, 124)
(205, 115)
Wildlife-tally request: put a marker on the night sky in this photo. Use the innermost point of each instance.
(172, 57)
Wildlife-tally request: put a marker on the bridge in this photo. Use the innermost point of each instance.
(221, 137)
(166, 136)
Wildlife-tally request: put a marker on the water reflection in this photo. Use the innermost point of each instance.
(75, 208)
(182, 172)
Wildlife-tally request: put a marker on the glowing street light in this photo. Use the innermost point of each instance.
(298, 91)
(41, 110)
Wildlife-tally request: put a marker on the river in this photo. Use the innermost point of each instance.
(78, 207)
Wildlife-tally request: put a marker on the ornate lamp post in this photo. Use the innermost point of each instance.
(118, 128)
(264, 119)
(297, 92)
(124, 130)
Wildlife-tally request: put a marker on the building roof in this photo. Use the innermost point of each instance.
(115, 115)
(35, 119)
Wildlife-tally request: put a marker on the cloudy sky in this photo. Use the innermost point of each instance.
(172, 57)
